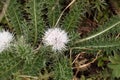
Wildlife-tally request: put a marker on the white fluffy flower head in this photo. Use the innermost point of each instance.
(56, 38)
(5, 39)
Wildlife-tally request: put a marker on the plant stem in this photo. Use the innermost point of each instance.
(64, 11)
(4, 9)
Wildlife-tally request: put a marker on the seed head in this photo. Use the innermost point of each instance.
(56, 38)
(5, 39)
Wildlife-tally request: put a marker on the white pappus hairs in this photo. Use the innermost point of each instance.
(56, 38)
(5, 39)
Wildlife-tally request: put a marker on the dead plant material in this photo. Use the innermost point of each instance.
(4, 9)
(114, 6)
(81, 63)
(75, 78)
(26, 77)
(87, 26)
(64, 11)
(118, 36)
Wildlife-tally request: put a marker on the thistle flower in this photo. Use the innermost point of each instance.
(56, 38)
(5, 39)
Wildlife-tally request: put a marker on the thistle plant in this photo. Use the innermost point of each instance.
(43, 29)
(56, 38)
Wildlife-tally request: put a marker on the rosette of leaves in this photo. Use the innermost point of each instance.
(27, 20)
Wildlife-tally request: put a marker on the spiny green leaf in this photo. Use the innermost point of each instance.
(14, 16)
